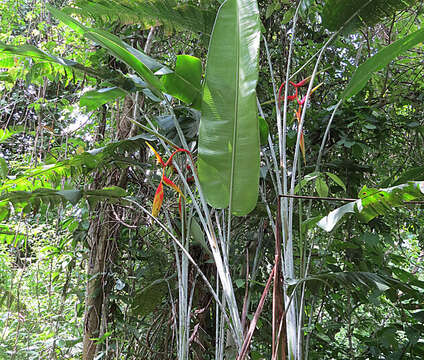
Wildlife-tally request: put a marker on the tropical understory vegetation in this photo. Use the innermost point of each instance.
(209, 179)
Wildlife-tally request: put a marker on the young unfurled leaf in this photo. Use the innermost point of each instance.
(172, 185)
(158, 200)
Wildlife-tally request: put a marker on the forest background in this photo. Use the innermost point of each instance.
(293, 229)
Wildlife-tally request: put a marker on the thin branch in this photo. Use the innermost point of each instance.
(339, 199)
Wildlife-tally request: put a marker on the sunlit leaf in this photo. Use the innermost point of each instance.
(96, 98)
(375, 202)
(263, 130)
(364, 72)
(4, 169)
(184, 82)
(321, 187)
(337, 180)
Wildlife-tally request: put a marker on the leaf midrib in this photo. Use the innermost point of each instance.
(233, 155)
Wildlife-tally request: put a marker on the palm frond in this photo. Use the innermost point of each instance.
(82, 164)
(166, 12)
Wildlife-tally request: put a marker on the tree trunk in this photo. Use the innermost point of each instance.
(103, 236)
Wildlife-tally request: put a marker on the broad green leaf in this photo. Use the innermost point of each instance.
(122, 51)
(321, 187)
(73, 196)
(288, 15)
(364, 72)
(375, 202)
(184, 82)
(96, 98)
(128, 55)
(240, 283)
(4, 169)
(107, 192)
(228, 161)
(337, 180)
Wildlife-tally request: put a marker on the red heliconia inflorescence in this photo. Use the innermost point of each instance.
(300, 103)
(158, 199)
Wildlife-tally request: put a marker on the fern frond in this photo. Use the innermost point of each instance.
(81, 164)
(337, 12)
(31, 201)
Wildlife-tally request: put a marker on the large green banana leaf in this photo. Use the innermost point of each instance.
(228, 161)
(184, 83)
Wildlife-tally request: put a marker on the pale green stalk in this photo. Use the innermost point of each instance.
(180, 294)
(223, 270)
(190, 258)
(222, 267)
(287, 263)
(275, 180)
